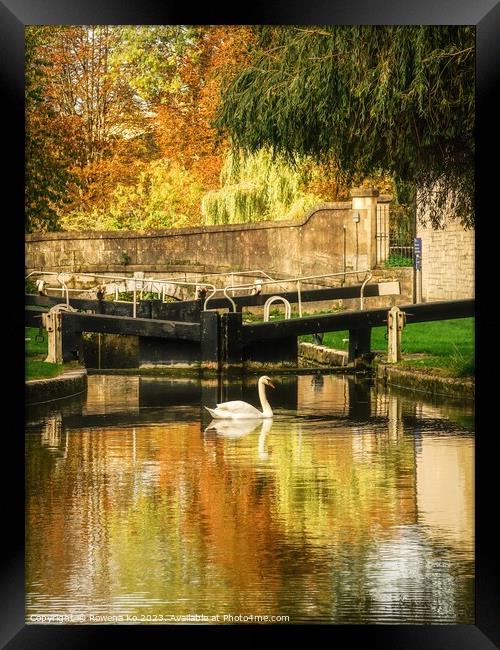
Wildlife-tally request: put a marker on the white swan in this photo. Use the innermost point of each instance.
(242, 410)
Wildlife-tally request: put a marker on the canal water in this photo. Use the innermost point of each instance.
(352, 505)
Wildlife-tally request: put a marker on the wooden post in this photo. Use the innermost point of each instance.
(359, 342)
(232, 342)
(71, 342)
(395, 324)
(100, 303)
(52, 321)
(144, 308)
(210, 340)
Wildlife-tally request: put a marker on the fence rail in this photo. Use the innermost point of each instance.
(402, 251)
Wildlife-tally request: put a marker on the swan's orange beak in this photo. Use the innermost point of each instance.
(271, 384)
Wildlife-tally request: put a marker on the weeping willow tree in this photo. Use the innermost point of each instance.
(258, 187)
(374, 99)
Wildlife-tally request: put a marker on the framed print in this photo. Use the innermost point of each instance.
(120, 521)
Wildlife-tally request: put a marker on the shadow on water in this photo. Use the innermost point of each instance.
(353, 504)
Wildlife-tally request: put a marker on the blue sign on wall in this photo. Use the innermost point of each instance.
(417, 249)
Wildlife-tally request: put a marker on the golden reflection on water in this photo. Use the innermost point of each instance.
(350, 506)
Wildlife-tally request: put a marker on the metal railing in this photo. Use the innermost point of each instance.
(235, 287)
(297, 281)
(406, 251)
(269, 302)
(131, 284)
(159, 285)
(197, 274)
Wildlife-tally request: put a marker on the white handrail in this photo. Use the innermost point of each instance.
(64, 288)
(214, 291)
(234, 273)
(299, 296)
(362, 290)
(268, 303)
(160, 281)
(163, 282)
(301, 279)
(229, 298)
(297, 280)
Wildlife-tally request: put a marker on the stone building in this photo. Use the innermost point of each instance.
(447, 261)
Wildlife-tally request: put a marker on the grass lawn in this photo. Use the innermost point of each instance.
(39, 369)
(447, 346)
(35, 352)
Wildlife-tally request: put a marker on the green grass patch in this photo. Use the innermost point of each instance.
(398, 260)
(36, 342)
(462, 365)
(40, 369)
(36, 349)
(444, 345)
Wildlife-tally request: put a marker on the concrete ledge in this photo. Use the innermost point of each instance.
(70, 383)
(421, 382)
(322, 355)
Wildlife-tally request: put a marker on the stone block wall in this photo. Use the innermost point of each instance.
(447, 262)
(311, 246)
(331, 237)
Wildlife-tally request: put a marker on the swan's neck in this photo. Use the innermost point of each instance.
(266, 408)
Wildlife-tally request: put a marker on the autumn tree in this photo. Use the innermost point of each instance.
(107, 88)
(120, 131)
(47, 140)
(88, 90)
(78, 104)
(185, 115)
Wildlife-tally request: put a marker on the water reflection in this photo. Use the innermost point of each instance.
(233, 428)
(240, 428)
(351, 505)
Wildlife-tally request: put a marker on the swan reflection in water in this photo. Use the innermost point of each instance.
(239, 428)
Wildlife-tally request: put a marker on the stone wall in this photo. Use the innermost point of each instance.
(331, 237)
(447, 262)
(311, 246)
(72, 382)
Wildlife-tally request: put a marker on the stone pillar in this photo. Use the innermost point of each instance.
(364, 203)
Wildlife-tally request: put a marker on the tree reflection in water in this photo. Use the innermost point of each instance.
(351, 505)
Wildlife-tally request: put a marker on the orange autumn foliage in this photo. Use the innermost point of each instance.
(184, 130)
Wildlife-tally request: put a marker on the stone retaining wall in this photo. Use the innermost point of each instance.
(426, 383)
(313, 245)
(459, 388)
(70, 383)
(322, 355)
(331, 238)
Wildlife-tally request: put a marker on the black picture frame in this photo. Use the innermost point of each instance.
(485, 14)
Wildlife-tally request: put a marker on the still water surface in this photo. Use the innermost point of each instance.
(352, 505)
